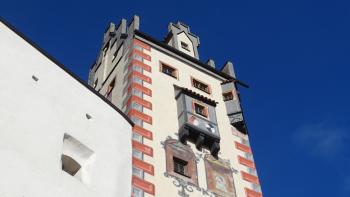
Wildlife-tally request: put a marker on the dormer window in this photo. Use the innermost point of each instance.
(185, 46)
(200, 85)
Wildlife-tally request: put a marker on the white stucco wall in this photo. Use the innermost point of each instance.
(35, 115)
(165, 124)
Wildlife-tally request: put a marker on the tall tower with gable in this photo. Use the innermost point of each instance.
(190, 137)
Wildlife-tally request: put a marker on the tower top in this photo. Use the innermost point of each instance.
(180, 37)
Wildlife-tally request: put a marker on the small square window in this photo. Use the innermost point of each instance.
(180, 166)
(185, 46)
(200, 85)
(168, 70)
(227, 96)
(201, 110)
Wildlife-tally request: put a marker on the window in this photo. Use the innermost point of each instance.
(200, 109)
(95, 83)
(180, 161)
(76, 158)
(109, 89)
(200, 85)
(180, 166)
(185, 46)
(69, 165)
(227, 96)
(166, 69)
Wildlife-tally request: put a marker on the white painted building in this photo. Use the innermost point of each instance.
(58, 137)
(190, 137)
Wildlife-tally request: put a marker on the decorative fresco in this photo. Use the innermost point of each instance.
(219, 176)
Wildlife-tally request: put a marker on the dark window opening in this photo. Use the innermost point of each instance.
(109, 89)
(169, 70)
(69, 165)
(201, 110)
(181, 166)
(202, 86)
(185, 46)
(95, 83)
(227, 96)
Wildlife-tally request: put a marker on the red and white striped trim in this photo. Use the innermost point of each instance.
(148, 168)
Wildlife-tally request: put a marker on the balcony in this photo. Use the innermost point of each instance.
(236, 120)
(197, 121)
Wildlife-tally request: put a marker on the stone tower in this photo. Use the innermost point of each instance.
(190, 137)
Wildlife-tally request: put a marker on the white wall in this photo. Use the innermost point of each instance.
(164, 102)
(35, 115)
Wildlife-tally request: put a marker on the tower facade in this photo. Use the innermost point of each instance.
(190, 137)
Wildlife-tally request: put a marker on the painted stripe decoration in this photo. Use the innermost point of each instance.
(140, 65)
(144, 132)
(140, 88)
(143, 148)
(243, 147)
(246, 162)
(144, 185)
(141, 44)
(146, 167)
(140, 54)
(140, 75)
(252, 193)
(140, 115)
(250, 178)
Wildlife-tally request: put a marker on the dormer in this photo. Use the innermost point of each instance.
(180, 37)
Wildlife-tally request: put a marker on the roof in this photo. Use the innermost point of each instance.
(64, 68)
(188, 57)
(196, 95)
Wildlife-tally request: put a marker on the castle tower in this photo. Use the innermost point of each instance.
(190, 137)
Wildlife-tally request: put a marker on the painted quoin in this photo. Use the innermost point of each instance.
(190, 137)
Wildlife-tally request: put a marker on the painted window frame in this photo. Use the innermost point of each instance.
(162, 64)
(228, 92)
(206, 109)
(199, 81)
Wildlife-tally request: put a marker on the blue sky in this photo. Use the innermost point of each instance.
(295, 55)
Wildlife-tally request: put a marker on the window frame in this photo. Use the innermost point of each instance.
(186, 47)
(228, 92)
(176, 74)
(183, 164)
(206, 110)
(199, 81)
